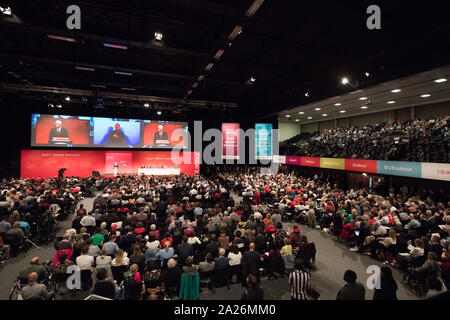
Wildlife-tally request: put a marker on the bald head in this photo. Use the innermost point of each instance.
(34, 260)
(222, 252)
(252, 246)
(32, 277)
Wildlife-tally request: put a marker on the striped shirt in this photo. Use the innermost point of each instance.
(299, 281)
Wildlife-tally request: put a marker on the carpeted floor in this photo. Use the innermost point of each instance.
(332, 260)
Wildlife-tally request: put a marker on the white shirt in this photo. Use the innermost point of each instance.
(87, 221)
(152, 245)
(85, 262)
(235, 258)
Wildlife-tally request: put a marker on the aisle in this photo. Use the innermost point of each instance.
(10, 270)
(332, 260)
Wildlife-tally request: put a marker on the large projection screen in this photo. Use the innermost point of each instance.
(79, 131)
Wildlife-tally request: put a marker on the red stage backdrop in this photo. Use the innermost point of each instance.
(151, 128)
(78, 130)
(46, 163)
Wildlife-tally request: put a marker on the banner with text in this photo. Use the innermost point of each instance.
(332, 163)
(438, 171)
(263, 141)
(310, 162)
(400, 168)
(368, 166)
(230, 140)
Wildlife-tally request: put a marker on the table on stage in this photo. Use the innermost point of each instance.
(159, 171)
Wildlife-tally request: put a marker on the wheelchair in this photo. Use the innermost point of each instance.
(16, 290)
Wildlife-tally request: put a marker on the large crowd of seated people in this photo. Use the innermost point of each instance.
(170, 237)
(411, 140)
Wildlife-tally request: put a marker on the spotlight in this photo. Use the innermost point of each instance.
(59, 106)
(158, 36)
(158, 112)
(345, 81)
(6, 11)
(67, 98)
(252, 79)
(50, 105)
(367, 74)
(306, 94)
(147, 105)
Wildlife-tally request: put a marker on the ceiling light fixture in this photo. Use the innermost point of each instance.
(158, 112)
(301, 112)
(344, 80)
(158, 36)
(67, 98)
(396, 90)
(147, 105)
(317, 109)
(123, 73)
(288, 116)
(254, 7)
(364, 107)
(363, 98)
(218, 54)
(115, 46)
(84, 68)
(342, 111)
(440, 80)
(53, 37)
(324, 114)
(306, 94)
(236, 31)
(426, 95)
(391, 102)
(338, 104)
(309, 118)
(252, 79)
(6, 11)
(367, 74)
(297, 120)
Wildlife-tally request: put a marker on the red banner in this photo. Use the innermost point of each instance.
(46, 163)
(369, 166)
(310, 162)
(230, 140)
(296, 161)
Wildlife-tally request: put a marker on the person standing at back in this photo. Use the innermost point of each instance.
(352, 290)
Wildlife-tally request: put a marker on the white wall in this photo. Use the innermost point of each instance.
(287, 130)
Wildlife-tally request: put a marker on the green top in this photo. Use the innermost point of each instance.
(97, 239)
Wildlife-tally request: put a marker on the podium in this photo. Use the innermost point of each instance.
(61, 141)
(162, 143)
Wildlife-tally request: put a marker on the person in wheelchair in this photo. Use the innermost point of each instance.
(36, 267)
(34, 290)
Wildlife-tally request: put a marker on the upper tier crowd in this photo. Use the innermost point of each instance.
(411, 140)
(164, 237)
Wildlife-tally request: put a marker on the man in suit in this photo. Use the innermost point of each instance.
(160, 135)
(57, 132)
(116, 137)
